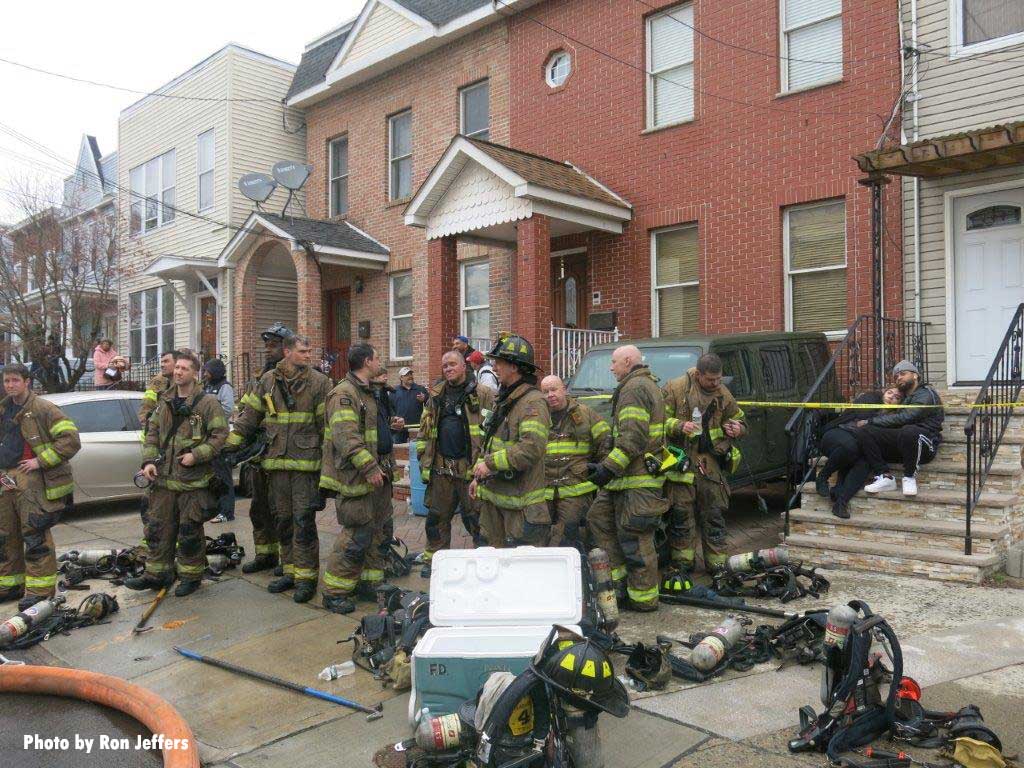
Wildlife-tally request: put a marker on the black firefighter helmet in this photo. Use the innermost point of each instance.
(277, 331)
(514, 349)
(581, 671)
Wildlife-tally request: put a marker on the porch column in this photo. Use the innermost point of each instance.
(440, 311)
(310, 312)
(531, 304)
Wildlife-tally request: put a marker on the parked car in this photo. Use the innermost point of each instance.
(757, 366)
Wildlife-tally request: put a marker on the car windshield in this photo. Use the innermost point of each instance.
(665, 362)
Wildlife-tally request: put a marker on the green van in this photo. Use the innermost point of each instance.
(760, 367)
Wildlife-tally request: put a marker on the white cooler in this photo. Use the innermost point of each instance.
(491, 609)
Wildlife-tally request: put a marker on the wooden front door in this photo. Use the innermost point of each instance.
(339, 329)
(569, 295)
(207, 326)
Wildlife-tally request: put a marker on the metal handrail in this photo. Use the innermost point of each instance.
(1002, 385)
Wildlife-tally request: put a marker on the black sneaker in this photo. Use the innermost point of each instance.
(261, 563)
(821, 486)
(339, 604)
(305, 590)
(186, 587)
(281, 584)
(840, 510)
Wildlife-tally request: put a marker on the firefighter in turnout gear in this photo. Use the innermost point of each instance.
(578, 437)
(383, 497)
(508, 477)
(185, 432)
(288, 402)
(353, 473)
(449, 442)
(156, 387)
(261, 516)
(36, 443)
(703, 419)
(630, 504)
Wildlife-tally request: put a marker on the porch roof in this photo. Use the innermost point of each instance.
(964, 152)
(334, 242)
(482, 187)
(181, 268)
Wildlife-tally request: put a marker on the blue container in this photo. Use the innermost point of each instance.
(417, 490)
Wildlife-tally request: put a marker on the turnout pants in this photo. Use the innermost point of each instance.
(356, 555)
(292, 496)
(568, 521)
(504, 527)
(384, 510)
(27, 558)
(261, 516)
(445, 495)
(176, 527)
(622, 523)
(908, 445)
(697, 510)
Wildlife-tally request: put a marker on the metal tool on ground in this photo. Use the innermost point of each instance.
(141, 626)
(677, 599)
(373, 713)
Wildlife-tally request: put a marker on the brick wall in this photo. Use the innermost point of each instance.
(732, 169)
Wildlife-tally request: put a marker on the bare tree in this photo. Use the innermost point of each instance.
(58, 282)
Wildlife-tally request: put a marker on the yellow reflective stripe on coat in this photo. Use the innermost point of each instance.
(62, 426)
(149, 394)
(271, 408)
(632, 412)
(474, 430)
(234, 440)
(567, 448)
(619, 456)
(680, 477)
(344, 414)
(671, 423)
(371, 575)
(716, 433)
(569, 491)
(47, 456)
(531, 426)
(41, 582)
(252, 401)
(203, 452)
(739, 415)
(294, 465)
(59, 491)
(361, 458)
(657, 430)
(599, 429)
(500, 459)
(508, 501)
(350, 490)
(632, 482)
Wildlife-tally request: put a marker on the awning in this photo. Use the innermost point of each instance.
(334, 242)
(966, 152)
(483, 188)
(187, 269)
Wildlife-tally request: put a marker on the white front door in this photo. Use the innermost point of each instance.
(988, 276)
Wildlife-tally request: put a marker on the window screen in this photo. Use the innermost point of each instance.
(777, 368)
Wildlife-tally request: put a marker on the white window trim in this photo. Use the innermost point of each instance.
(784, 51)
(788, 273)
(197, 321)
(547, 68)
(136, 197)
(392, 158)
(392, 336)
(160, 294)
(463, 307)
(331, 179)
(462, 108)
(957, 48)
(200, 171)
(651, 74)
(655, 315)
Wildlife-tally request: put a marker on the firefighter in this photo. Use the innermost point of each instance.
(186, 431)
(36, 443)
(508, 477)
(261, 517)
(578, 436)
(387, 424)
(288, 402)
(354, 474)
(630, 504)
(703, 419)
(449, 443)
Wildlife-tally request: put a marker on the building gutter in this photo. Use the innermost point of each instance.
(917, 179)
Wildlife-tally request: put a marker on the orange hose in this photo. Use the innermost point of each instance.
(141, 704)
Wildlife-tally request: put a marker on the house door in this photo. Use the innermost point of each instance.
(207, 326)
(339, 329)
(569, 297)
(988, 276)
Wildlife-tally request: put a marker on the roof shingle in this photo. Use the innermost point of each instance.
(313, 66)
(442, 11)
(334, 234)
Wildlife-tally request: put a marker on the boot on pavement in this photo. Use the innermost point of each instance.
(186, 587)
(304, 591)
(339, 604)
(280, 585)
(261, 563)
(147, 581)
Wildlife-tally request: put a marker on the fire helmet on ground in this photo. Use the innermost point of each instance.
(582, 671)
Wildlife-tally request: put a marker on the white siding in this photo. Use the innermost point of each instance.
(277, 301)
(384, 26)
(476, 199)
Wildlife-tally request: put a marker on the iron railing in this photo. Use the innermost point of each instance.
(861, 361)
(986, 423)
(240, 369)
(568, 345)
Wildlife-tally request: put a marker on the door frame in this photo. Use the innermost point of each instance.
(583, 305)
(949, 198)
(197, 320)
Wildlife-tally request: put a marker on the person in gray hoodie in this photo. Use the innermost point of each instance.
(215, 383)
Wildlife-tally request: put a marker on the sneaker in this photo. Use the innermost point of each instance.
(221, 518)
(280, 585)
(910, 486)
(186, 587)
(840, 510)
(338, 604)
(881, 483)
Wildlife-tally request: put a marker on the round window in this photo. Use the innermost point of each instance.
(558, 68)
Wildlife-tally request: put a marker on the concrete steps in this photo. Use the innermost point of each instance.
(940, 505)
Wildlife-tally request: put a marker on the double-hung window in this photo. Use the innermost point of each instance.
(811, 44)
(670, 67)
(475, 111)
(400, 156)
(401, 316)
(475, 299)
(150, 322)
(814, 242)
(339, 176)
(985, 25)
(207, 151)
(152, 194)
(676, 288)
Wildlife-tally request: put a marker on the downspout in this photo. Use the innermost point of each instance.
(917, 179)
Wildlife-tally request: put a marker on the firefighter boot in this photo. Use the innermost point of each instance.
(339, 604)
(186, 587)
(147, 581)
(29, 600)
(261, 563)
(14, 593)
(304, 591)
(281, 585)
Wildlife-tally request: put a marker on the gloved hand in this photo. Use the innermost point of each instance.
(599, 475)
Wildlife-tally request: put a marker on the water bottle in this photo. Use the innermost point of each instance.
(697, 418)
(335, 671)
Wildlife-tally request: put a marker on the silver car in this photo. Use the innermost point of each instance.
(111, 452)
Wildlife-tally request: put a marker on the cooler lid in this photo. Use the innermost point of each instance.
(506, 587)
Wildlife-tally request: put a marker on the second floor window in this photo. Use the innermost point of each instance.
(670, 67)
(152, 194)
(676, 281)
(205, 165)
(400, 156)
(475, 111)
(401, 316)
(812, 43)
(339, 176)
(814, 245)
(988, 24)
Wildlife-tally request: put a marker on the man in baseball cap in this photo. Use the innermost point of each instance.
(461, 345)
(407, 401)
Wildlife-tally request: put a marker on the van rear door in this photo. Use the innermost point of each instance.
(778, 379)
(736, 365)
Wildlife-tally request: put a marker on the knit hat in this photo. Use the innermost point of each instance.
(216, 368)
(903, 366)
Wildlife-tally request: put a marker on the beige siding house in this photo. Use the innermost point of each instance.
(963, 187)
(182, 151)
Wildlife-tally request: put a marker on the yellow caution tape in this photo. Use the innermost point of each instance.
(846, 406)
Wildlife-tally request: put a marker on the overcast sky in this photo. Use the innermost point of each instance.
(126, 44)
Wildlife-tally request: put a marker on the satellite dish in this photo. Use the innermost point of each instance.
(291, 174)
(257, 186)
